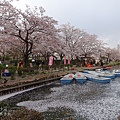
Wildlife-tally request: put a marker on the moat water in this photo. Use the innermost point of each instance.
(89, 101)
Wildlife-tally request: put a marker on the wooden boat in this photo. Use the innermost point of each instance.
(67, 79)
(98, 79)
(80, 78)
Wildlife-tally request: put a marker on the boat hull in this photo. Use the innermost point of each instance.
(117, 74)
(67, 79)
(98, 79)
(101, 81)
(109, 76)
(63, 81)
(80, 77)
(104, 74)
(80, 80)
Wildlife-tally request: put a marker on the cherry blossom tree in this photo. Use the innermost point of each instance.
(108, 52)
(50, 47)
(115, 55)
(26, 27)
(80, 43)
(112, 54)
(71, 37)
(99, 52)
(30, 31)
(61, 49)
(4, 46)
(88, 44)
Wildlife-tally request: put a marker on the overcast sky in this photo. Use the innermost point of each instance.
(100, 17)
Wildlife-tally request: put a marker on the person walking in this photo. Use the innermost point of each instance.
(19, 67)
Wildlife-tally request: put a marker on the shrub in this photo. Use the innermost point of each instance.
(1, 67)
(3, 108)
(12, 70)
(23, 114)
(45, 67)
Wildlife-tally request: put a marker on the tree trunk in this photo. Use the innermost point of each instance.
(26, 60)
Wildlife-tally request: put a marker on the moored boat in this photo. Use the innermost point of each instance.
(80, 78)
(67, 79)
(98, 79)
(105, 74)
(116, 73)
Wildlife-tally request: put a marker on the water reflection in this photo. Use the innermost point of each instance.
(87, 101)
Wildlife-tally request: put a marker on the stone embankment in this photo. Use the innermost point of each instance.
(27, 82)
(32, 81)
